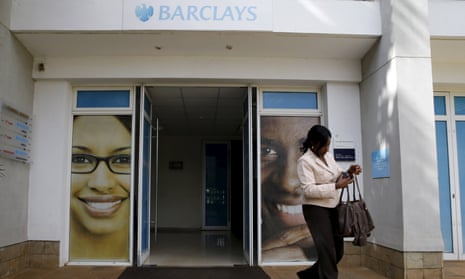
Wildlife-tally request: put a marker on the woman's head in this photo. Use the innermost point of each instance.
(318, 140)
(101, 165)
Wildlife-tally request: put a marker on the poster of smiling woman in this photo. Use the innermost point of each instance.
(100, 188)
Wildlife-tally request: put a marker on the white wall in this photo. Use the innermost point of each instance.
(5, 8)
(343, 117)
(231, 68)
(449, 73)
(180, 191)
(317, 17)
(446, 18)
(50, 174)
(66, 15)
(16, 90)
(397, 113)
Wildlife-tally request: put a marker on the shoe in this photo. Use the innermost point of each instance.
(307, 274)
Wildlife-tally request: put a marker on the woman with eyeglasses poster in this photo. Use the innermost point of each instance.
(100, 188)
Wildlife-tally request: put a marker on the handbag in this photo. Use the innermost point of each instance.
(354, 219)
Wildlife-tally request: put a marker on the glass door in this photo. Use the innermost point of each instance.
(145, 139)
(450, 147)
(216, 186)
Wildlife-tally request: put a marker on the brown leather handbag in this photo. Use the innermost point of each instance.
(354, 220)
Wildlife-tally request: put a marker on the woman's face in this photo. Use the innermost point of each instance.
(281, 139)
(100, 199)
(324, 148)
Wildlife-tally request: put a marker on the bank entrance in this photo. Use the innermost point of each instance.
(195, 190)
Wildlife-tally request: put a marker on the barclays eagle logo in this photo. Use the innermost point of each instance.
(144, 13)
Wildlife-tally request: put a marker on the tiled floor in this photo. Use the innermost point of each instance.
(203, 249)
(206, 248)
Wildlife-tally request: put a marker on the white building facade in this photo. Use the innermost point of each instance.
(389, 78)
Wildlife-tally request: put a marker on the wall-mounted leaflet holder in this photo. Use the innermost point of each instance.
(15, 134)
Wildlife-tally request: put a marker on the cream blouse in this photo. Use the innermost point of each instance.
(318, 180)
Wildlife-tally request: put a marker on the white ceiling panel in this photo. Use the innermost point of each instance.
(199, 111)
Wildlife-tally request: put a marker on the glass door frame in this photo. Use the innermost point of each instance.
(144, 175)
(263, 111)
(456, 208)
(249, 114)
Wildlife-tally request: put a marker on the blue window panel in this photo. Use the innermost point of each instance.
(444, 185)
(216, 190)
(290, 100)
(246, 187)
(439, 105)
(146, 187)
(459, 103)
(147, 105)
(460, 129)
(103, 99)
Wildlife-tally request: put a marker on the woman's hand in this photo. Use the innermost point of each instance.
(354, 169)
(344, 180)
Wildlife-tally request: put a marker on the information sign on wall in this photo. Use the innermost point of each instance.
(15, 134)
(380, 163)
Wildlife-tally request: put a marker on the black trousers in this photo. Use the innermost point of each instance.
(322, 223)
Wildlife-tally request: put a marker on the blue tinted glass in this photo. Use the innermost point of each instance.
(246, 161)
(290, 100)
(459, 104)
(147, 105)
(216, 185)
(444, 185)
(460, 129)
(146, 187)
(103, 99)
(439, 105)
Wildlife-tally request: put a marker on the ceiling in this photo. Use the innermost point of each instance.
(198, 111)
(197, 43)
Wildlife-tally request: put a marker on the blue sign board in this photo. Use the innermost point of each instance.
(380, 163)
(344, 154)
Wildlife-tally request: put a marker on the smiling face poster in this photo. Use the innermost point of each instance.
(285, 235)
(100, 188)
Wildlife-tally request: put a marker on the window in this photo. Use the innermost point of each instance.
(290, 100)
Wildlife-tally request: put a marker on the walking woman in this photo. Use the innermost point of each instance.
(321, 179)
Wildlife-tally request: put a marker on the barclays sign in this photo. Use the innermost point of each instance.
(198, 15)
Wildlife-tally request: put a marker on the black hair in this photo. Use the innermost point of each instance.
(126, 120)
(317, 137)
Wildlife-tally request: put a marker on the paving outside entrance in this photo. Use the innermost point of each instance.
(452, 270)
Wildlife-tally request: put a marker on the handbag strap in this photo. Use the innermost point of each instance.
(355, 186)
(355, 182)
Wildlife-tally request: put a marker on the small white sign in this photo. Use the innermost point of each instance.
(15, 134)
(343, 142)
(252, 15)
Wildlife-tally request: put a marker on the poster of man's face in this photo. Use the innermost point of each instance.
(100, 188)
(285, 236)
